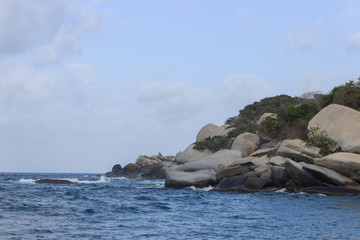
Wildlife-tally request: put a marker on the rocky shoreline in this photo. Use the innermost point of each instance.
(257, 163)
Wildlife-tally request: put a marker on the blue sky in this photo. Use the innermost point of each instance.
(88, 84)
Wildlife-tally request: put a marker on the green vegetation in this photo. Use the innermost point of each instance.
(319, 138)
(293, 115)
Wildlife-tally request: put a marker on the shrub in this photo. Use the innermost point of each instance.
(271, 127)
(319, 139)
(212, 143)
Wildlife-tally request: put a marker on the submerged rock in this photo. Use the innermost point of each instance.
(54, 181)
(339, 191)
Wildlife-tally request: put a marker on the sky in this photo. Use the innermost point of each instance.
(88, 84)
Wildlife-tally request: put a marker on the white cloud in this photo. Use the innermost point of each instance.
(82, 73)
(354, 42)
(26, 24)
(26, 85)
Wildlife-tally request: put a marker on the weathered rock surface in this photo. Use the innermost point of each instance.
(212, 161)
(342, 125)
(347, 164)
(278, 161)
(328, 175)
(212, 130)
(295, 171)
(233, 171)
(54, 181)
(298, 151)
(236, 162)
(190, 154)
(261, 152)
(264, 116)
(279, 175)
(181, 179)
(247, 143)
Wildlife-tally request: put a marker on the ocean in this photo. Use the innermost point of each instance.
(120, 208)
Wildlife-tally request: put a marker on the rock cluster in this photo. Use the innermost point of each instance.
(146, 167)
(252, 166)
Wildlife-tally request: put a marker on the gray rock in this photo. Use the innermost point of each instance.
(261, 152)
(131, 167)
(212, 130)
(347, 164)
(328, 175)
(255, 183)
(212, 161)
(278, 161)
(233, 183)
(247, 143)
(233, 171)
(181, 179)
(191, 154)
(295, 171)
(342, 125)
(299, 151)
(279, 175)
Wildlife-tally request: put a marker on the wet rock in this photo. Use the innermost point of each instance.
(296, 171)
(338, 190)
(54, 181)
(181, 179)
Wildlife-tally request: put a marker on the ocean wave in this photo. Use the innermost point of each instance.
(102, 179)
(27, 181)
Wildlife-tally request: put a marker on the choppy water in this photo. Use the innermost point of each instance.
(99, 208)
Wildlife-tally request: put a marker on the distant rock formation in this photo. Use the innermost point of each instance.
(54, 181)
(252, 166)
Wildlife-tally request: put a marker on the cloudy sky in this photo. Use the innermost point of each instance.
(88, 84)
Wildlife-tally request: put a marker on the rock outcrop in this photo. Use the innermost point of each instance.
(342, 125)
(54, 181)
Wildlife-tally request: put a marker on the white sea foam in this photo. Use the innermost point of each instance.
(102, 179)
(281, 190)
(28, 181)
(205, 189)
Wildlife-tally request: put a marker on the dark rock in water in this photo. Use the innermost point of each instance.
(293, 185)
(54, 181)
(156, 172)
(231, 183)
(255, 183)
(296, 171)
(279, 175)
(340, 190)
(117, 169)
(131, 167)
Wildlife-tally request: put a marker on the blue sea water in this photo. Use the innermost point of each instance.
(119, 208)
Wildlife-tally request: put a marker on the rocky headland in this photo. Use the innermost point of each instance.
(304, 144)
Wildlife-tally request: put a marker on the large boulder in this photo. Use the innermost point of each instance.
(278, 161)
(212, 130)
(246, 142)
(211, 162)
(347, 164)
(190, 154)
(236, 162)
(296, 172)
(298, 150)
(279, 175)
(328, 175)
(181, 179)
(342, 125)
